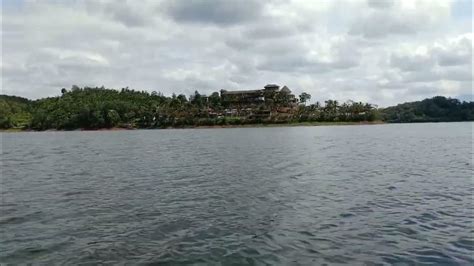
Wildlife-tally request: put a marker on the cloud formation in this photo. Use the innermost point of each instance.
(378, 51)
(229, 12)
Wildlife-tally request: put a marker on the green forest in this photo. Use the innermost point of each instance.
(100, 108)
(436, 109)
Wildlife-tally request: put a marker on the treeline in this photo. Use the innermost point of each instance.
(14, 112)
(95, 108)
(436, 109)
(333, 111)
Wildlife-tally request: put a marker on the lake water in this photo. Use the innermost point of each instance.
(278, 196)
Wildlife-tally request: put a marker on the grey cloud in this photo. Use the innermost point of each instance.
(461, 74)
(300, 63)
(449, 61)
(270, 31)
(453, 59)
(344, 64)
(237, 42)
(272, 27)
(42, 70)
(221, 12)
(178, 46)
(411, 63)
(126, 15)
(421, 76)
(293, 55)
(443, 74)
(292, 63)
(418, 91)
(379, 24)
(457, 54)
(125, 12)
(380, 3)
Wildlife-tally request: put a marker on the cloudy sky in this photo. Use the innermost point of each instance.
(379, 51)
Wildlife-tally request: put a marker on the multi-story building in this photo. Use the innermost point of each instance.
(270, 94)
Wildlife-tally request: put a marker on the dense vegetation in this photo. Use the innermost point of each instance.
(15, 112)
(436, 109)
(95, 108)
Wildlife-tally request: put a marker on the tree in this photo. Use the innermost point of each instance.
(99, 107)
(182, 99)
(215, 101)
(331, 110)
(304, 97)
(436, 109)
(113, 118)
(197, 99)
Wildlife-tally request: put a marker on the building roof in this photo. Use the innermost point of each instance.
(285, 90)
(268, 86)
(241, 92)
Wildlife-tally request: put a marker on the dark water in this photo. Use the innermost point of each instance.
(278, 196)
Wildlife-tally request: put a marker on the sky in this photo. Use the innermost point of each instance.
(379, 51)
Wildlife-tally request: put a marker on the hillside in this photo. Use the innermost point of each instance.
(14, 112)
(436, 109)
(96, 108)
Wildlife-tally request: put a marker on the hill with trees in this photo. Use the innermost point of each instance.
(97, 108)
(436, 109)
(15, 112)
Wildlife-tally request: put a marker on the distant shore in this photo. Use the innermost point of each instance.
(261, 125)
(109, 109)
(295, 124)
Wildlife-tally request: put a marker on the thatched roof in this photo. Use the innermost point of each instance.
(241, 92)
(271, 86)
(285, 90)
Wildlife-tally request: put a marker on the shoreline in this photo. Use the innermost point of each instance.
(270, 125)
(296, 124)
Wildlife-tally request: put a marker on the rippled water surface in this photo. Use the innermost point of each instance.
(278, 196)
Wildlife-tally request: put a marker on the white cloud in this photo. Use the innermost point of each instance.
(400, 18)
(378, 51)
